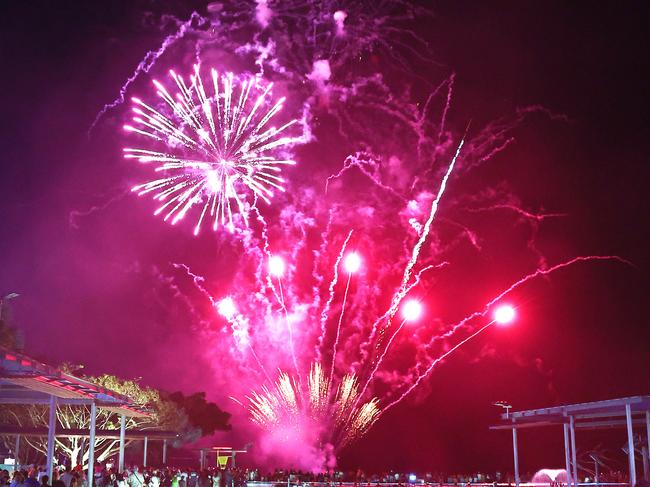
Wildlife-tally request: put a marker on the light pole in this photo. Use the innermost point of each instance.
(4, 299)
(504, 405)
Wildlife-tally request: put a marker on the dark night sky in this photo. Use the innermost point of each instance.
(584, 336)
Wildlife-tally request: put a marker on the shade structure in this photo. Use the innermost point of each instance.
(626, 412)
(27, 381)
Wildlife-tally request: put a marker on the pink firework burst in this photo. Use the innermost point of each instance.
(215, 146)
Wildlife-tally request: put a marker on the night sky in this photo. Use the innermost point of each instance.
(73, 245)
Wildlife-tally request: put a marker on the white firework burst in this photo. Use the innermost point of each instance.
(219, 150)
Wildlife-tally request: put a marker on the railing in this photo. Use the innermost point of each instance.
(288, 483)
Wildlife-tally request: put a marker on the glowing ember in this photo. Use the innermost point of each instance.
(352, 262)
(276, 266)
(504, 314)
(226, 308)
(411, 310)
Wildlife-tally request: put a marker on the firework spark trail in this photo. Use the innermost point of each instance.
(338, 326)
(534, 218)
(360, 160)
(445, 111)
(419, 126)
(379, 98)
(438, 360)
(383, 354)
(418, 276)
(266, 249)
(494, 138)
(368, 342)
(289, 328)
(197, 280)
(318, 275)
(235, 321)
(402, 290)
(326, 309)
(147, 63)
(75, 215)
(486, 309)
(537, 217)
(471, 236)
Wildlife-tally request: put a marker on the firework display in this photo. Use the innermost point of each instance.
(214, 146)
(318, 319)
(334, 411)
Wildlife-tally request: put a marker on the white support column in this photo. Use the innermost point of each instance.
(51, 432)
(630, 445)
(644, 453)
(17, 453)
(567, 453)
(144, 460)
(164, 452)
(120, 463)
(572, 426)
(515, 455)
(91, 444)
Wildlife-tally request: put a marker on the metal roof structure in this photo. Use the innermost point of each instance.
(24, 380)
(590, 415)
(626, 412)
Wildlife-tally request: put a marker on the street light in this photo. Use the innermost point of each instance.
(4, 299)
(504, 405)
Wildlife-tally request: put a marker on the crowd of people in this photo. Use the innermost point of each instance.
(132, 477)
(107, 476)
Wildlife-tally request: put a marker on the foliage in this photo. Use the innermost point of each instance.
(206, 416)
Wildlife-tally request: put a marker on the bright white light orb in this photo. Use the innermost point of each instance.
(226, 308)
(352, 262)
(276, 266)
(412, 310)
(504, 314)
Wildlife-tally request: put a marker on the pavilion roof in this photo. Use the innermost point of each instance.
(25, 380)
(588, 415)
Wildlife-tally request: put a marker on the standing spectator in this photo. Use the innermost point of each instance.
(56, 481)
(136, 479)
(31, 481)
(154, 480)
(67, 476)
(45, 481)
(17, 479)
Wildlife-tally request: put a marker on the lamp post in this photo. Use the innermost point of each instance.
(504, 405)
(3, 300)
